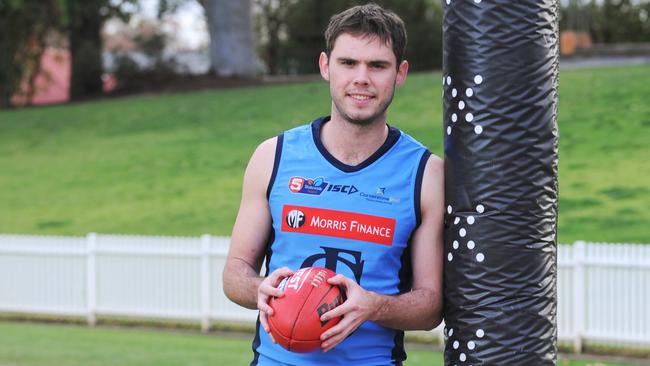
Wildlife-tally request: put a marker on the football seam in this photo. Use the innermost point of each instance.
(300, 313)
(293, 327)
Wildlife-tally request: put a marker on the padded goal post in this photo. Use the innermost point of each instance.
(500, 79)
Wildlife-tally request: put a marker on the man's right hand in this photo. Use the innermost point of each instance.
(269, 288)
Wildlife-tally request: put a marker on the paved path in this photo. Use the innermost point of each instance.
(592, 62)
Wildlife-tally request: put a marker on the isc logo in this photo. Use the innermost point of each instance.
(349, 189)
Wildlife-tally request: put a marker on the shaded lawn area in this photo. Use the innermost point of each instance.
(34, 344)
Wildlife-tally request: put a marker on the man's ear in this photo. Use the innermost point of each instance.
(323, 65)
(402, 70)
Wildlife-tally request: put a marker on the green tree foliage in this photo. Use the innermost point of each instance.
(608, 21)
(291, 32)
(24, 26)
(84, 25)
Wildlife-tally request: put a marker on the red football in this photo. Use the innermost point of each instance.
(295, 323)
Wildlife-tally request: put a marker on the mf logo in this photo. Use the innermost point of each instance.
(333, 256)
(295, 218)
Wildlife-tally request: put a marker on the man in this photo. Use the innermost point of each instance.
(350, 193)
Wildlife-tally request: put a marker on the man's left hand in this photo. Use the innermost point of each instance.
(359, 306)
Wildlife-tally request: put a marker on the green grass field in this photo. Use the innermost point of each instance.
(27, 344)
(173, 164)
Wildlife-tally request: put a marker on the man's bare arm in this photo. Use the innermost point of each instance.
(241, 280)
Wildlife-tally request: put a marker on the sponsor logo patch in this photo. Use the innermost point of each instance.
(295, 219)
(307, 185)
(348, 189)
(380, 196)
(341, 224)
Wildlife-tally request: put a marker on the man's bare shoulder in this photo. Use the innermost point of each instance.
(433, 184)
(435, 166)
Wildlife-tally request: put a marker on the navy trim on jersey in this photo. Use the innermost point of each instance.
(418, 187)
(399, 354)
(269, 253)
(391, 139)
(406, 269)
(276, 163)
(256, 343)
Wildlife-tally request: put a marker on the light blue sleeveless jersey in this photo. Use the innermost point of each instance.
(354, 220)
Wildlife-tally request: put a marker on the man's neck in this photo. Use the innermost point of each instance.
(352, 144)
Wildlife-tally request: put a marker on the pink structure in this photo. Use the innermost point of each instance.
(53, 82)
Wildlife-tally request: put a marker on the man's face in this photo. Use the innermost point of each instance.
(362, 73)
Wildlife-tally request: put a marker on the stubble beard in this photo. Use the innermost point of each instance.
(380, 114)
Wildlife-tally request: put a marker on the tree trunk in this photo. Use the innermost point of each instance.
(85, 47)
(232, 44)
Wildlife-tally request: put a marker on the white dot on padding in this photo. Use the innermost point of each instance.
(478, 79)
(450, 257)
(469, 117)
(454, 117)
(470, 244)
(462, 232)
(461, 105)
(455, 244)
(480, 208)
(478, 130)
(469, 92)
(477, 1)
(448, 80)
(448, 2)
(449, 209)
(456, 220)
(448, 130)
(454, 92)
(456, 344)
(479, 333)
(471, 345)
(470, 220)
(463, 357)
(451, 332)
(480, 257)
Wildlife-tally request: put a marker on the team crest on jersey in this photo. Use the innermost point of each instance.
(307, 185)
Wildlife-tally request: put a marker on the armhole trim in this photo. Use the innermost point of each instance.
(276, 164)
(418, 187)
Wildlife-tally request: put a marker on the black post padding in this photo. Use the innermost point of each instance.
(500, 77)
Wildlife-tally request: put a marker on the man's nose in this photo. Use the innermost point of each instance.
(361, 75)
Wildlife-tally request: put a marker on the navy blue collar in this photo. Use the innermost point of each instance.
(391, 139)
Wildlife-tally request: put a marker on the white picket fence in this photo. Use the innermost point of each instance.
(603, 289)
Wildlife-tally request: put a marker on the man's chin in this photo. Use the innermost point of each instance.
(361, 120)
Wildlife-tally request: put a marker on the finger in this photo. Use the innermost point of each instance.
(281, 273)
(338, 336)
(331, 343)
(339, 279)
(334, 313)
(333, 331)
(270, 291)
(264, 307)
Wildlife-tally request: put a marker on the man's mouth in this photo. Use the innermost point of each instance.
(360, 97)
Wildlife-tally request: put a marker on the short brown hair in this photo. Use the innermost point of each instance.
(369, 19)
